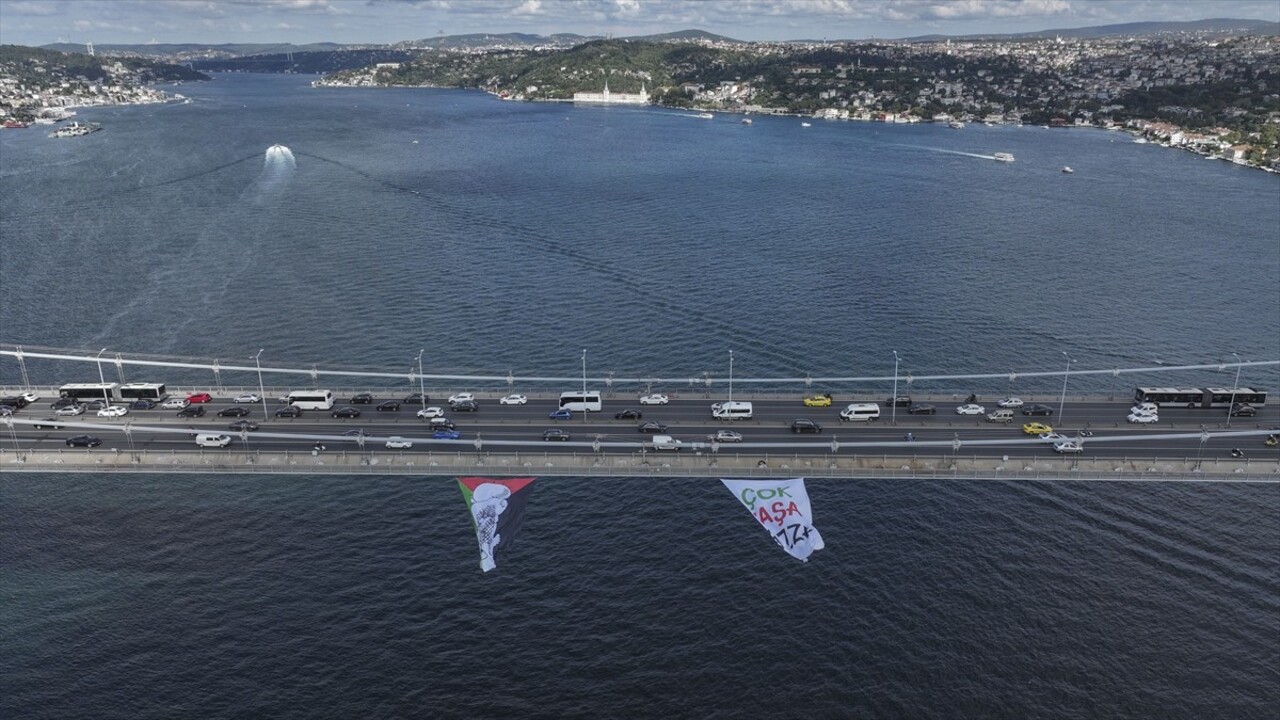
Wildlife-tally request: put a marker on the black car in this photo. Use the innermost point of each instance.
(243, 425)
(628, 415)
(442, 424)
(652, 427)
(391, 405)
(353, 433)
(97, 404)
(142, 404)
(1243, 410)
(362, 399)
(289, 411)
(48, 424)
(16, 401)
(417, 398)
(922, 409)
(900, 401)
(555, 434)
(63, 402)
(83, 441)
(346, 412)
(1037, 410)
(465, 406)
(234, 411)
(805, 426)
(191, 411)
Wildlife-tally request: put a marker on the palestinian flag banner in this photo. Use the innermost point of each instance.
(497, 509)
(782, 507)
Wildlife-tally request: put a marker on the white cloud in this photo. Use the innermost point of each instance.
(39, 9)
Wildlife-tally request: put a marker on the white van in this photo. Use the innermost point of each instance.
(212, 440)
(861, 411)
(666, 442)
(731, 411)
(1000, 416)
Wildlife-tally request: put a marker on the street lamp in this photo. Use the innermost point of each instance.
(1066, 374)
(422, 390)
(894, 402)
(731, 376)
(1236, 386)
(101, 380)
(262, 393)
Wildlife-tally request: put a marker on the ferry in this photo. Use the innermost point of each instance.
(1004, 157)
(75, 129)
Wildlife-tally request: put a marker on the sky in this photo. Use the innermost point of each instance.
(40, 22)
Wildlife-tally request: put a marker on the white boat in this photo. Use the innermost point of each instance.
(75, 129)
(746, 121)
(1140, 141)
(955, 125)
(705, 116)
(805, 124)
(1004, 157)
(1067, 169)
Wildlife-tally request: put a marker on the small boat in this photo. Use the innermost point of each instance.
(955, 125)
(705, 116)
(1067, 169)
(1140, 141)
(14, 124)
(1004, 157)
(805, 124)
(746, 121)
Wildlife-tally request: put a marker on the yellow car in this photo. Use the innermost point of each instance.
(1035, 428)
(818, 400)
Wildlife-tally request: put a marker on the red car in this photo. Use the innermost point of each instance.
(200, 398)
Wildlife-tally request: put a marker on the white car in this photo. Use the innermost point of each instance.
(654, 399)
(247, 398)
(1054, 438)
(70, 410)
(513, 400)
(971, 409)
(1068, 446)
(30, 397)
(175, 404)
(461, 397)
(727, 436)
(431, 412)
(398, 443)
(1145, 408)
(1143, 418)
(113, 411)
(1010, 402)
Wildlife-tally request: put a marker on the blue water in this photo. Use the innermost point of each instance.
(512, 236)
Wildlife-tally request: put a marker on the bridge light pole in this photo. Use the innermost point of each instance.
(894, 402)
(422, 390)
(1066, 374)
(262, 393)
(730, 376)
(1235, 386)
(584, 385)
(101, 380)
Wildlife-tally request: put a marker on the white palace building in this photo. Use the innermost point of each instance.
(606, 97)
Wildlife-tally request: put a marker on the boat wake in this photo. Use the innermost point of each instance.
(278, 166)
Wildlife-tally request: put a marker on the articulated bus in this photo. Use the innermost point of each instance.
(143, 391)
(89, 391)
(311, 399)
(578, 401)
(1200, 397)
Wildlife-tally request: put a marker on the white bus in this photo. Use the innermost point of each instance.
(143, 391)
(89, 391)
(311, 399)
(579, 401)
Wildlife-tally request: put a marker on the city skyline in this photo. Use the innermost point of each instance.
(41, 22)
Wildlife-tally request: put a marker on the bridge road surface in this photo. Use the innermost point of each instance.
(688, 420)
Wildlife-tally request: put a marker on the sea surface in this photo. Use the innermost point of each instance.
(508, 237)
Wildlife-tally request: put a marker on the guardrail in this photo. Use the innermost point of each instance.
(647, 464)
